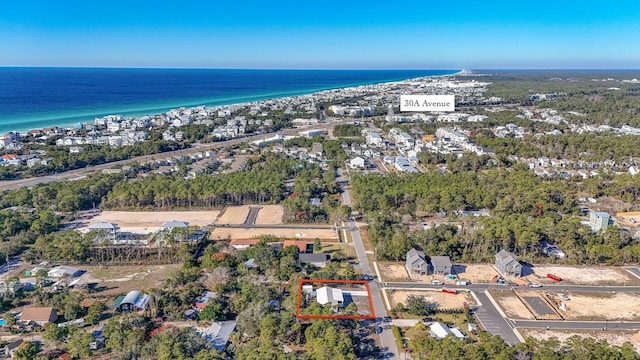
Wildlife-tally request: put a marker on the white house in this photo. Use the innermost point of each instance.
(439, 330)
(326, 295)
(356, 162)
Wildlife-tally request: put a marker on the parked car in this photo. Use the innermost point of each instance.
(563, 297)
(386, 319)
(428, 319)
(535, 285)
(378, 329)
(436, 282)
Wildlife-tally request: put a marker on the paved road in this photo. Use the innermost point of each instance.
(253, 214)
(481, 287)
(572, 325)
(493, 321)
(387, 341)
(633, 270)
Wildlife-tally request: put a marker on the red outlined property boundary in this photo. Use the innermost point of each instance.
(322, 281)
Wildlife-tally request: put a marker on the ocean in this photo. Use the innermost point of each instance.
(33, 98)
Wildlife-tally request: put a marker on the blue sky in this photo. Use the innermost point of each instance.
(347, 34)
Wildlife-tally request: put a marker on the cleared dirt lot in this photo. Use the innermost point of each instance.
(440, 299)
(582, 275)
(511, 305)
(475, 273)
(115, 280)
(143, 222)
(270, 214)
(233, 215)
(611, 337)
(251, 233)
(392, 271)
(601, 306)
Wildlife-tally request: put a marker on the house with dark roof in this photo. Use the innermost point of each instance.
(318, 260)
(416, 263)
(11, 347)
(441, 265)
(507, 264)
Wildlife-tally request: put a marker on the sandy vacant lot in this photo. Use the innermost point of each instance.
(233, 215)
(392, 271)
(115, 280)
(270, 214)
(582, 275)
(143, 222)
(224, 233)
(440, 299)
(601, 306)
(475, 273)
(611, 336)
(511, 305)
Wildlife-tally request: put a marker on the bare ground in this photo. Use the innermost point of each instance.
(251, 233)
(233, 215)
(142, 222)
(601, 306)
(440, 299)
(115, 280)
(270, 214)
(582, 275)
(511, 305)
(475, 273)
(392, 271)
(611, 337)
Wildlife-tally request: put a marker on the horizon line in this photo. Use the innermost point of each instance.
(313, 69)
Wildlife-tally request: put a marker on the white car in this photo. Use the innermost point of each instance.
(563, 297)
(535, 285)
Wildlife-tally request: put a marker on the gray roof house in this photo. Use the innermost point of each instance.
(416, 263)
(441, 265)
(507, 264)
(319, 260)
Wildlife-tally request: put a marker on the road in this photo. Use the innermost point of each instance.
(387, 341)
(573, 325)
(496, 324)
(484, 286)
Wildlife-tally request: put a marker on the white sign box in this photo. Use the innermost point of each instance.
(427, 103)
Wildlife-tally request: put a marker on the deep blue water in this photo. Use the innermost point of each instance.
(33, 98)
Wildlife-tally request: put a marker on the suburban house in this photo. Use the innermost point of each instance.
(441, 265)
(111, 230)
(416, 263)
(439, 330)
(205, 299)
(329, 295)
(61, 271)
(507, 264)
(356, 162)
(218, 333)
(302, 245)
(170, 225)
(133, 301)
(11, 347)
(598, 221)
(243, 244)
(39, 315)
(319, 260)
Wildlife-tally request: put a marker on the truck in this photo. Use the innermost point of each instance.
(461, 282)
(450, 291)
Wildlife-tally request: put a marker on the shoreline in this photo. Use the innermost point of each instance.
(74, 121)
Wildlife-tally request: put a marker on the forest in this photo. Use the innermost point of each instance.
(524, 210)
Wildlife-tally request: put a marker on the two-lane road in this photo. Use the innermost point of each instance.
(387, 340)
